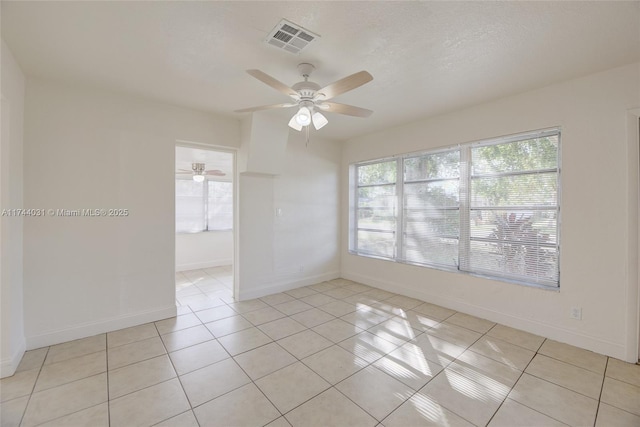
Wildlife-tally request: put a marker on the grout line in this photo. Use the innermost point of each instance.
(604, 376)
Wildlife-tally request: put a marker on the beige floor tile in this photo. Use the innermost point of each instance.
(368, 346)
(32, 359)
(623, 371)
(434, 311)
(466, 398)
(212, 381)
(177, 323)
(323, 287)
(514, 414)
(249, 305)
(418, 321)
(215, 313)
(198, 356)
(69, 370)
(227, 326)
(358, 287)
(610, 416)
(379, 294)
(11, 411)
(485, 371)
(566, 375)
(408, 367)
(140, 375)
(135, 352)
(338, 308)
(18, 385)
(557, 402)
(340, 293)
(361, 301)
(334, 363)
(133, 334)
(363, 319)
(304, 343)
(292, 307)
(406, 303)
(421, 410)
(313, 317)
(397, 331)
(71, 349)
(509, 354)
(454, 334)
(387, 309)
(514, 336)
(279, 422)
(300, 292)
(264, 315)
(291, 386)
(375, 392)
(264, 360)
(576, 356)
(187, 291)
(186, 419)
(337, 330)
(245, 406)
(186, 338)
(435, 349)
(317, 299)
(149, 406)
(95, 416)
(330, 408)
(66, 399)
(275, 299)
(205, 302)
(281, 328)
(471, 322)
(182, 310)
(621, 395)
(245, 340)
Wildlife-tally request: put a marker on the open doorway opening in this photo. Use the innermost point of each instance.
(204, 191)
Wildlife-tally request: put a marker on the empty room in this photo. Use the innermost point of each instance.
(319, 213)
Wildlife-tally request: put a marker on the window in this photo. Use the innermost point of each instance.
(203, 206)
(489, 208)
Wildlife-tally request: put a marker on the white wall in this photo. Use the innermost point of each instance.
(203, 250)
(301, 246)
(93, 149)
(12, 342)
(597, 263)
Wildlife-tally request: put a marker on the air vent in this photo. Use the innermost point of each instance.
(290, 37)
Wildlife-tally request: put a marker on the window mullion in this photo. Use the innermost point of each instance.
(400, 249)
(205, 204)
(464, 243)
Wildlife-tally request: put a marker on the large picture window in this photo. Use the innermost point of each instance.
(489, 208)
(203, 206)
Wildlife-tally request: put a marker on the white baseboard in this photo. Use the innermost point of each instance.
(9, 365)
(208, 264)
(286, 285)
(536, 327)
(100, 327)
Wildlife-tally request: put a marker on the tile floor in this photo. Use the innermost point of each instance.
(337, 353)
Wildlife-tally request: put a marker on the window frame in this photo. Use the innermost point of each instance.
(205, 208)
(464, 206)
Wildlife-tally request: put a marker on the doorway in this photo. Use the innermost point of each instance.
(204, 214)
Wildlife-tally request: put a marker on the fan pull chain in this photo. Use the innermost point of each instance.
(306, 129)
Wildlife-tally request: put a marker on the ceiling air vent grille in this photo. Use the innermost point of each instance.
(290, 37)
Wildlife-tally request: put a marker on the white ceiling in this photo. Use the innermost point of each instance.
(426, 57)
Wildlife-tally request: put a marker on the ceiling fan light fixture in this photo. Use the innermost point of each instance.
(303, 117)
(319, 121)
(198, 178)
(293, 124)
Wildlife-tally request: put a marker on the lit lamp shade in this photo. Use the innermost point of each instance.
(303, 118)
(319, 120)
(198, 178)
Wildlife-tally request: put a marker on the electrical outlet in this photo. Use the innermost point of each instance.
(576, 313)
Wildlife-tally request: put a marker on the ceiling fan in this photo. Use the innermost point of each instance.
(311, 98)
(199, 173)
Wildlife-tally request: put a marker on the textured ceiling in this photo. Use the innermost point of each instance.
(426, 57)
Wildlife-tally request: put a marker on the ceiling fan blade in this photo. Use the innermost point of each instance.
(344, 85)
(264, 107)
(215, 172)
(349, 110)
(276, 84)
(185, 170)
